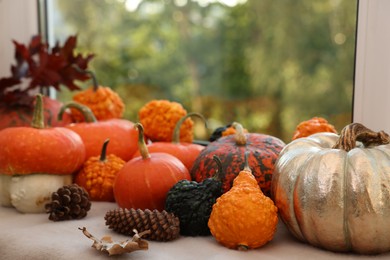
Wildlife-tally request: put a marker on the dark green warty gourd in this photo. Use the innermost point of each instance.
(192, 202)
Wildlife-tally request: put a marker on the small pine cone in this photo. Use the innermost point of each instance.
(163, 226)
(68, 202)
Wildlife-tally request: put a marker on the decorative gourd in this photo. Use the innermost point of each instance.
(98, 174)
(192, 201)
(159, 118)
(35, 161)
(123, 137)
(333, 191)
(185, 152)
(103, 101)
(264, 150)
(144, 181)
(312, 126)
(243, 218)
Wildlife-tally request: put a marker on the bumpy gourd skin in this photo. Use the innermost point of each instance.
(192, 202)
(159, 118)
(103, 101)
(312, 126)
(98, 176)
(243, 218)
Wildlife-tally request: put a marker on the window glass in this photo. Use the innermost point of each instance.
(268, 64)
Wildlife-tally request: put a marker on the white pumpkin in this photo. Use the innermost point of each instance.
(30, 193)
(334, 195)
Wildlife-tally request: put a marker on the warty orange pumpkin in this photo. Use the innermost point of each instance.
(159, 118)
(98, 174)
(243, 217)
(312, 126)
(104, 102)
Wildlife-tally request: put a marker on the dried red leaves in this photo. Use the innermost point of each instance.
(44, 67)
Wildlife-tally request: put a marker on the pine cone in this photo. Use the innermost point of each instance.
(68, 202)
(163, 226)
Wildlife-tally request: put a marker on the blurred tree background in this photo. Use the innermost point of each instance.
(268, 64)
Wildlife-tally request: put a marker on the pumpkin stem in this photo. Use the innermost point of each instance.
(246, 165)
(85, 110)
(103, 153)
(218, 174)
(91, 74)
(239, 136)
(38, 115)
(176, 130)
(141, 142)
(358, 132)
(242, 247)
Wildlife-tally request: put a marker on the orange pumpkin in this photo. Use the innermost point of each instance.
(185, 152)
(230, 149)
(144, 181)
(312, 126)
(159, 118)
(35, 161)
(243, 218)
(98, 174)
(103, 101)
(123, 137)
(40, 149)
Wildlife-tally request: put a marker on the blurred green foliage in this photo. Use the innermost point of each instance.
(268, 64)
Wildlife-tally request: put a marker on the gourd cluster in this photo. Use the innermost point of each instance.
(330, 190)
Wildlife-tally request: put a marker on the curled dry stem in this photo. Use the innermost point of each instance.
(357, 132)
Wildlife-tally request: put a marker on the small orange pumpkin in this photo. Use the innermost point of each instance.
(98, 174)
(243, 218)
(103, 101)
(159, 118)
(40, 149)
(121, 132)
(144, 181)
(185, 152)
(312, 126)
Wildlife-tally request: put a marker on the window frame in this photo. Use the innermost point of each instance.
(18, 21)
(372, 65)
(372, 55)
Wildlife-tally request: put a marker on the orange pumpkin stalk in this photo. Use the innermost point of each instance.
(312, 126)
(98, 175)
(103, 101)
(243, 218)
(159, 118)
